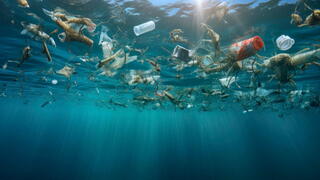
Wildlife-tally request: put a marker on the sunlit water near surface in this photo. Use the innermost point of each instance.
(71, 130)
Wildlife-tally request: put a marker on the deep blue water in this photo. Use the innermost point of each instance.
(79, 135)
(66, 141)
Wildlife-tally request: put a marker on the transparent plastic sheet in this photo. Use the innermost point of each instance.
(107, 49)
(106, 42)
(104, 35)
(226, 82)
(49, 13)
(119, 62)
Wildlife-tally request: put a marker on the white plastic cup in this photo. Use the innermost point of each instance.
(144, 28)
(284, 42)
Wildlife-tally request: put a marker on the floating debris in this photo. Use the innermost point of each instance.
(23, 3)
(202, 66)
(46, 103)
(26, 54)
(5, 66)
(66, 71)
(54, 82)
(34, 31)
(226, 82)
(46, 51)
(144, 28)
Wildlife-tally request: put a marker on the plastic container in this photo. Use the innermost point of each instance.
(144, 28)
(182, 53)
(246, 48)
(284, 42)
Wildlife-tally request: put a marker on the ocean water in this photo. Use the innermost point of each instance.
(91, 127)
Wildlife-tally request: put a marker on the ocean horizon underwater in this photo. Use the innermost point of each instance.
(99, 126)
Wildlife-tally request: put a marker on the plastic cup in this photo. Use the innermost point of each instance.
(284, 42)
(144, 28)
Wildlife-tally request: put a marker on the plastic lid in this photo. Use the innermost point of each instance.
(258, 43)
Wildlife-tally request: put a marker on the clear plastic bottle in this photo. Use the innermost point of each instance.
(284, 42)
(144, 28)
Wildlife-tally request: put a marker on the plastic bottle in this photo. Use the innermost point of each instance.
(246, 48)
(284, 42)
(144, 28)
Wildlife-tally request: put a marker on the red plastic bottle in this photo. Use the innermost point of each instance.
(246, 48)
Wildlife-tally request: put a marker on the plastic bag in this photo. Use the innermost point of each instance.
(104, 35)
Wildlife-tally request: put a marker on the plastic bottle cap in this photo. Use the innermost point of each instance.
(258, 43)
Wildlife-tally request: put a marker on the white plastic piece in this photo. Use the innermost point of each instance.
(226, 82)
(263, 92)
(144, 28)
(24, 32)
(222, 4)
(49, 13)
(189, 106)
(62, 37)
(53, 43)
(284, 42)
(54, 81)
(246, 111)
(107, 49)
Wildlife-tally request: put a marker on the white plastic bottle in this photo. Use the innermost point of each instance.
(144, 28)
